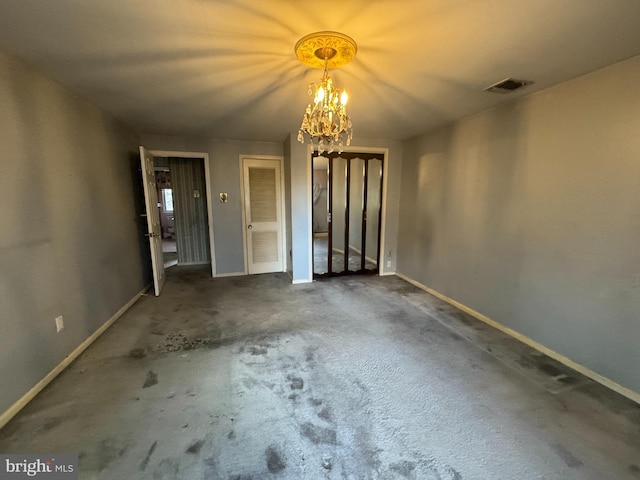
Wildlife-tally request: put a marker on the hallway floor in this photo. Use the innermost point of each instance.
(350, 378)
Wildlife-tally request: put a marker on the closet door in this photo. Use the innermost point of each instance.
(320, 225)
(338, 214)
(356, 214)
(353, 185)
(373, 213)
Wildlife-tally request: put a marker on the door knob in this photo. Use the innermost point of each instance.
(250, 227)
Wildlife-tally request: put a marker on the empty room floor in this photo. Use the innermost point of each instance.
(350, 378)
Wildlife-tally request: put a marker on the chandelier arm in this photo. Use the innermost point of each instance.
(326, 122)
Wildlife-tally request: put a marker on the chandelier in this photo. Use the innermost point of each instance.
(326, 123)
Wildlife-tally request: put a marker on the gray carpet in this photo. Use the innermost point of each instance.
(351, 378)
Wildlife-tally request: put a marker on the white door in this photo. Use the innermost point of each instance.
(263, 215)
(153, 219)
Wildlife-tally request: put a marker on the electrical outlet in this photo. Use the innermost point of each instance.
(388, 263)
(59, 324)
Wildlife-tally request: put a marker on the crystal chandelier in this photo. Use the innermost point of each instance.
(325, 122)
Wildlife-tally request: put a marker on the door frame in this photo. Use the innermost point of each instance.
(207, 179)
(283, 220)
(383, 207)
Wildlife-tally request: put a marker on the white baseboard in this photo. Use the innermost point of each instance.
(587, 372)
(13, 410)
(304, 280)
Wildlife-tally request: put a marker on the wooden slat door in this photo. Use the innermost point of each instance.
(263, 215)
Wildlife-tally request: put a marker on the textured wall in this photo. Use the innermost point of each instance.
(70, 242)
(529, 213)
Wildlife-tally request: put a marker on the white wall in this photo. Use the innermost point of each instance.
(224, 158)
(530, 214)
(301, 218)
(70, 242)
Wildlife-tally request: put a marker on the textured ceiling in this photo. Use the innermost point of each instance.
(227, 68)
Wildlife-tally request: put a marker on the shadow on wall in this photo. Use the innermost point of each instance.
(499, 204)
(464, 183)
(424, 203)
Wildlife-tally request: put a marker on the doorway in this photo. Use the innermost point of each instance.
(263, 219)
(347, 200)
(190, 199)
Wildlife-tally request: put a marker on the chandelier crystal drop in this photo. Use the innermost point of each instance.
(325, 122)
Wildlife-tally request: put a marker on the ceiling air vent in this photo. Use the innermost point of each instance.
(508, 85)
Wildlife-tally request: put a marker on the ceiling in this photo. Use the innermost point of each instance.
(227, 69)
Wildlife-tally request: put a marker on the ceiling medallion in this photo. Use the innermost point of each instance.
(325, 120)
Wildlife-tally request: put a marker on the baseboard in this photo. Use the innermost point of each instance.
(304, 280)
(13, 410)
(587, 372)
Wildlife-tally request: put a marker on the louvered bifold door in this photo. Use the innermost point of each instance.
(263, 216)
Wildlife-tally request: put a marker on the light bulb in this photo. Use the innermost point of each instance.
(344, 98)
(320, 95)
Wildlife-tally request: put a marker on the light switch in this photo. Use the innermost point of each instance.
(223, 197)
(59, 324)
